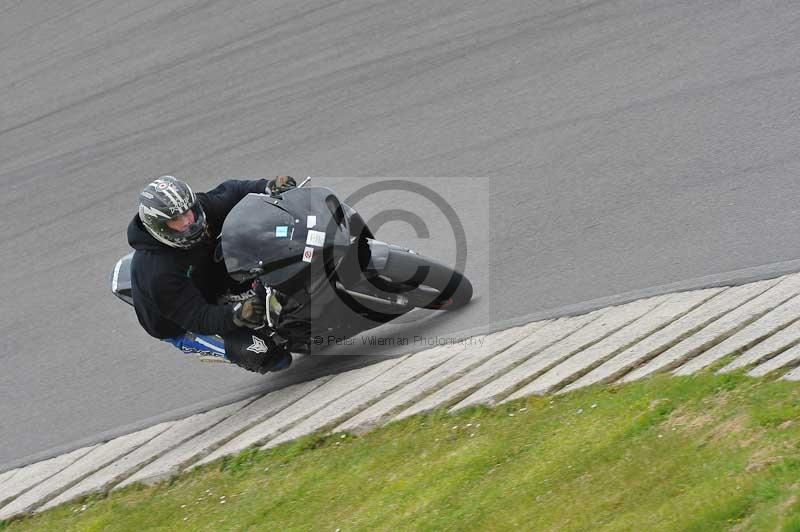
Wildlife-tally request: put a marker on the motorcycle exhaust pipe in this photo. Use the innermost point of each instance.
(399, 300)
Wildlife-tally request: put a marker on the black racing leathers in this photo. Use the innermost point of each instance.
(175, 290)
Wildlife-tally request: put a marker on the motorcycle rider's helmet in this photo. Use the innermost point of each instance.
(166, 199)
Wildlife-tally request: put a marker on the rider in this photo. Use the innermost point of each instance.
(181, 290)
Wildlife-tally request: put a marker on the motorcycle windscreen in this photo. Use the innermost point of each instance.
(257, 236)
(280, 236)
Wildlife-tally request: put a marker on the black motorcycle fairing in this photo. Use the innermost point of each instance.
(265, 236)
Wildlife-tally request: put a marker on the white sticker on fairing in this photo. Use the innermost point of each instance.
(311, 222)
(316, 238)
(308, 254)
(281, 231)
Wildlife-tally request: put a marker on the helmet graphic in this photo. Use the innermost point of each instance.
(167, 199)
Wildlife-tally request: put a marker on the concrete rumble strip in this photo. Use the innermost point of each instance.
(753, 327)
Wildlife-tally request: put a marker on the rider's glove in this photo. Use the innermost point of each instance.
(250, 313)
(281, 184)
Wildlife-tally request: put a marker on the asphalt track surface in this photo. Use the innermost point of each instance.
(601, 148)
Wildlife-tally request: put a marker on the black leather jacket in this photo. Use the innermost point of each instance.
(176, 290)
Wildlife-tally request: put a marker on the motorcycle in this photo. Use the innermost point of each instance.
(323, 273)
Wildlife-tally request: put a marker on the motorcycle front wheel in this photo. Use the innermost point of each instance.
(425, 282)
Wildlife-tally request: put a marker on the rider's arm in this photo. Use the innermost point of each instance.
(222, 199)
(182, 303)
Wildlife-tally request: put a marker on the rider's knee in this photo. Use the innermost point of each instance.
(256, 352)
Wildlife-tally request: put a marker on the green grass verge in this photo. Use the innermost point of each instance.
(701, 453)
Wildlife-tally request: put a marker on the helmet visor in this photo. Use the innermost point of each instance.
(182, 223)
(187, 229)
